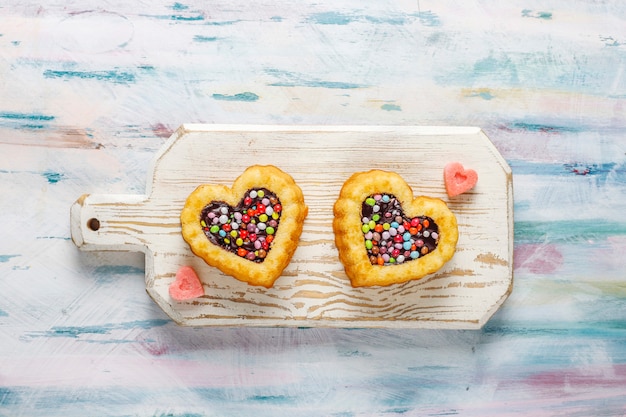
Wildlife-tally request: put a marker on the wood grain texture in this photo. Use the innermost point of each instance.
(314, 290)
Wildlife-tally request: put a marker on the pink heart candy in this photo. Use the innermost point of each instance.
(458, 179)
(187, 285)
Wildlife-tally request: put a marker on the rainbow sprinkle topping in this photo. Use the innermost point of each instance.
(392, 238)
(248, 229)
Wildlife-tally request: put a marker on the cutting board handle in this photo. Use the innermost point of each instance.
(110, 222)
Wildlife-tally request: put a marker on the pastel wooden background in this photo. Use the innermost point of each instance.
(89, 92)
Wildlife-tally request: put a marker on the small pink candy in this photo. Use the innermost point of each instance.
(458, 179)
(187, 285)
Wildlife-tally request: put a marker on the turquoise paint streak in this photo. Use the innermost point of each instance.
(502, 65)
(110, 273)
(74, 332)
(322, 84)
(488, 72)
(117, 270)
(273, 399)
(609, 171)
(53, 177)
(114, 76)
(187, 18)
(26, 116)
(179, 6)
(9, 396)
(567, 231)
(331, 18)
(177, 17)
(7, 258)
(290, 79)
(391, 107)
(535, 71)
(25, 120)
(223, 23)
(542, 128)
(575, 331)
(485, 95)
(200, 38)
(537, 15)
(332, 84)
(246, 96)
(426, 18)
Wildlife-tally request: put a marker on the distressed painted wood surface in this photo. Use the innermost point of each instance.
(314, 290)
(89, 93)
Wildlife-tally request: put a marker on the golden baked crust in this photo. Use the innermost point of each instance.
(349, 236)
(287, 233)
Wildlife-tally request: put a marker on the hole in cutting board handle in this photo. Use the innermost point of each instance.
(93, 224)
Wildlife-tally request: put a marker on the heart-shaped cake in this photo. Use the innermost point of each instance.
(386, 236)
(249, 231)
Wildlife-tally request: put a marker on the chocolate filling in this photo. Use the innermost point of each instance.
(248, 229)
(391, 237)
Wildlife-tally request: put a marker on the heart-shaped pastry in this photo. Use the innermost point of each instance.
(386, 236)
(457, 179)
(187, 285)
(249, 231)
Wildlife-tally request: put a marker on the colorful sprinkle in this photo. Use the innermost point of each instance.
(390, 237)
(247, 229)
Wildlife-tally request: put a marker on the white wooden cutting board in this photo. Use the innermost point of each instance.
(314, 290)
